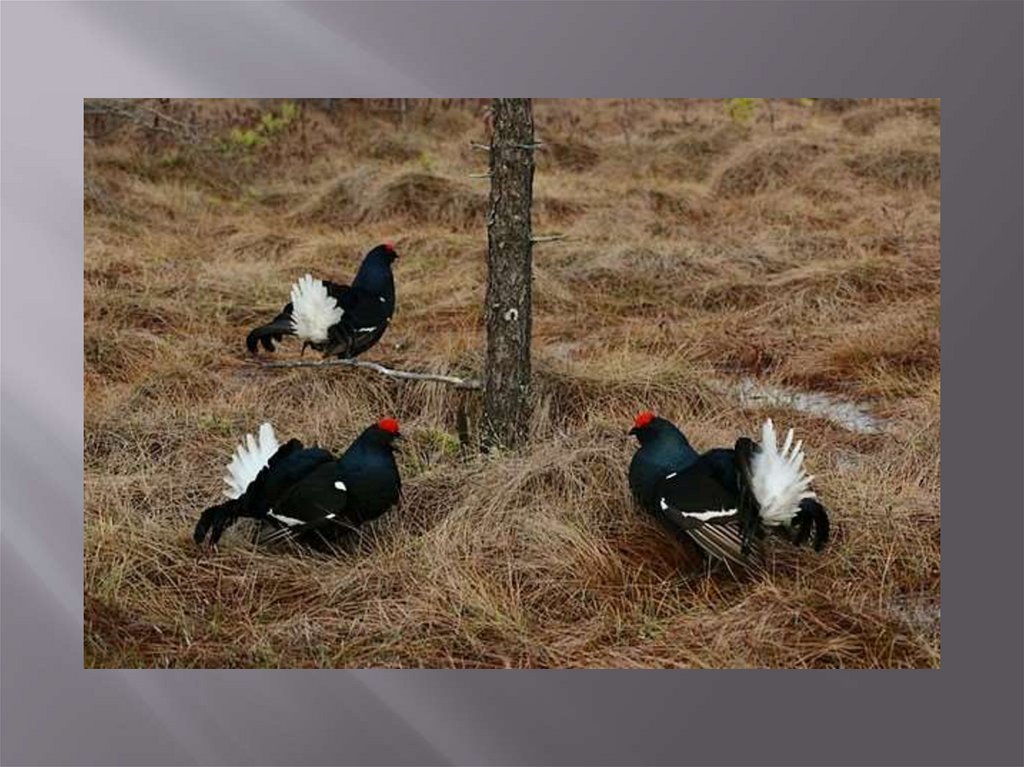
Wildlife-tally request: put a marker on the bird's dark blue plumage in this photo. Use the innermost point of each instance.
(306, 493)
(366, 307)
(663, 450)
(712, 497)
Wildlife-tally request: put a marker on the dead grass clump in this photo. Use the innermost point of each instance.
(277, 197)
(898, 168)
(661, 264)
(623, 383)
(570, 154)
(818, 245)
(929, 110)
(688, 208)
(337, 202)
(764, 167)
(414, 197)
(729, 295)
(100, 199)
(119, 355)
(865, 280)
(894, 365)
(423, 198)
(890, 356)
(693, 156)
(200, 165)
(636, 282)
(260, 245)
(837, 106)
(111, 635)
(555, 210)
(863, 121)
(394, 147)
(137, 312)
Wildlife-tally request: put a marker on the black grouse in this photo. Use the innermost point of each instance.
(337, 320)
(726, 499)
(305, 493)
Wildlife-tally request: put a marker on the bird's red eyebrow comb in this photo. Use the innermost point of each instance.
(644, 418)
(389, 425)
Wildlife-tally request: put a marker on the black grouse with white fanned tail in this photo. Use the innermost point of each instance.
(337, 320)
(726, 499)
(307, 494)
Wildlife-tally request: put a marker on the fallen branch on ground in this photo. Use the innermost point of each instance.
(458, 383)
(134, 112)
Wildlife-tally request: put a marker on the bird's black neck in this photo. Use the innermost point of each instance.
(658, 456)
(375, 277)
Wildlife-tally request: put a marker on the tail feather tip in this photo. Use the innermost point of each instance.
(251, 455)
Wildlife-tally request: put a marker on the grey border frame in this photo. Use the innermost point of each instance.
(967, 53)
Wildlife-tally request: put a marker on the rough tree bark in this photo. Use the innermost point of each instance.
(507, 397)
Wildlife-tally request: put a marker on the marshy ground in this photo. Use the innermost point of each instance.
(722, 263)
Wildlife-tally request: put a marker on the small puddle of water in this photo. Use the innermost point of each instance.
(853, 416)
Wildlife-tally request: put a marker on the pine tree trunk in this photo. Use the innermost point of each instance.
(508, 303)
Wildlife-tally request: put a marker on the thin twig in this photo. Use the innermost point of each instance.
(479, 175)
(133, 112)
(489, 147)
(549, 238)
(458, 383)
(166, 118)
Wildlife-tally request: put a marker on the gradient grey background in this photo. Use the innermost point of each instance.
(54, 712)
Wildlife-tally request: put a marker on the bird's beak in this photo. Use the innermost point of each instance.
(632, 432)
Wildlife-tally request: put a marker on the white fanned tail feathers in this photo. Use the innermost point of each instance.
(313, 310)
(778, 478)
(250, 457)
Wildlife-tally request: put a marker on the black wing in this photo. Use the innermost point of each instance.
(336, 291)
(698, 502)
(318, 500)
(288, 465)
(366, 317)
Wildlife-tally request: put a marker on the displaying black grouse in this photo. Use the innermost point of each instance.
(726, 499)
(306, 493)
(337, 320)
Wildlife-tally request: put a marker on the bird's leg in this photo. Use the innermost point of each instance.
(340, 342)
(336, 348)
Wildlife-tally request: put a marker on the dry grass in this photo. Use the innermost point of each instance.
(802, 252)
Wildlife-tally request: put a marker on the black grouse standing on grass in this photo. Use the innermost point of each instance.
(726, 499)
(337, 320)
(307, 494)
